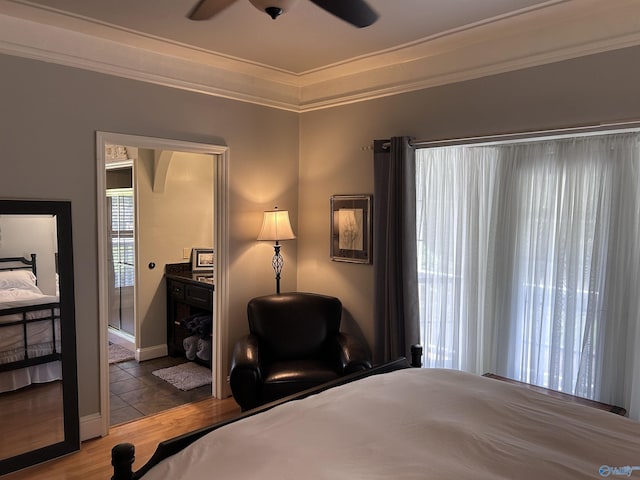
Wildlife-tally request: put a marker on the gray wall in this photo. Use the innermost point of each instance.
(49, 116)
(334, 155)
(21, 235)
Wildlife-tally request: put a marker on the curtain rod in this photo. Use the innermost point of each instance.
(569, 131)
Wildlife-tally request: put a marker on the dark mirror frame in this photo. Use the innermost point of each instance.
(71, 442)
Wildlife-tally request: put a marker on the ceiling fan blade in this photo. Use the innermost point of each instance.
(205, 9)
(356, 12)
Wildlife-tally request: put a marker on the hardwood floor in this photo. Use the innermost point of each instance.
(93, 461)
(31, 418)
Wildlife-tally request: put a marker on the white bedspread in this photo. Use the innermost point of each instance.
(39, 334)
(415, 424)
(15, 297)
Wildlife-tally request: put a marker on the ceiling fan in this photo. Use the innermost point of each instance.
(355, 12)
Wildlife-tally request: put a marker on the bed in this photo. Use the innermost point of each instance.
(30, 350)
(403, 423)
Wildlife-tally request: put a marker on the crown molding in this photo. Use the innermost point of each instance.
(561, 32)
(557, 32)
(138, 57)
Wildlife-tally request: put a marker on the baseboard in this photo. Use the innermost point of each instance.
(150, 353)
(90, 426)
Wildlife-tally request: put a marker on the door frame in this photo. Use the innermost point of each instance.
(220, 154)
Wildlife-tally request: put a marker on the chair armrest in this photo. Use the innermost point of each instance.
(353, 355)
(245, 376)
(245, 353)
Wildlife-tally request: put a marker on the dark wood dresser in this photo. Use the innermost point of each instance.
(188, 294)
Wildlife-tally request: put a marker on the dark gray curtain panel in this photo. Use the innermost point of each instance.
(394, 250)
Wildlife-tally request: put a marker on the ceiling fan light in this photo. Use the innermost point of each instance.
(273, 8)
(273, 12)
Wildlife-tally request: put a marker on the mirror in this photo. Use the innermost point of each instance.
(38, 371)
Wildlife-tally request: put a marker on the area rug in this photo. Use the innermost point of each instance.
(185, 376)
(118, 353)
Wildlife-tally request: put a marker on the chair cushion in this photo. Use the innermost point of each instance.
(285, 378)
(294, 325)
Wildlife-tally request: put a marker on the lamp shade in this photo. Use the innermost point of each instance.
(276, 226)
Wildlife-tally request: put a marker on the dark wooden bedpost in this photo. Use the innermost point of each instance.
(122, 457)
(33, 266)
(416, 356)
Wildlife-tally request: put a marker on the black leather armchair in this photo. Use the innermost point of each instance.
(294, 343)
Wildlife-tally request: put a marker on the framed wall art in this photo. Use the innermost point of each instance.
(202, 260)
(351, 228)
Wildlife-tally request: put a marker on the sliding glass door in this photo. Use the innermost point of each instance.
(121, 259)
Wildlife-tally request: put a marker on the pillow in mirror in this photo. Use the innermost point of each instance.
(21, 279)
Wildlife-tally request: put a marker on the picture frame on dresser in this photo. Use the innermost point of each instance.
(351, 228)
(202, 260)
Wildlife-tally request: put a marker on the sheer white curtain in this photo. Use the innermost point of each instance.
(528, 257)
(455, 192)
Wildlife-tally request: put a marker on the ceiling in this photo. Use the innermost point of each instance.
(305, 38)
(308, 59)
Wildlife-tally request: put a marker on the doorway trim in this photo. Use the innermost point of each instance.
(220, 156)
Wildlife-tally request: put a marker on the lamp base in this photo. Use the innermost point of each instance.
(277, 262)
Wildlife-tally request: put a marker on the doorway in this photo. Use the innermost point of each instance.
(149, 325)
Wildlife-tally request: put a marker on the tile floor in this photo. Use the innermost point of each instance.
(135, 392)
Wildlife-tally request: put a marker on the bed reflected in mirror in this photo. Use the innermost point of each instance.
(38, 386)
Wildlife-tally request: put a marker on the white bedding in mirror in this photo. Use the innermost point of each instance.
(23, 377)
(40, 337)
